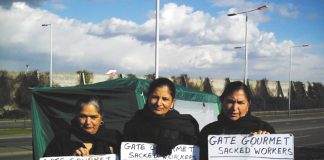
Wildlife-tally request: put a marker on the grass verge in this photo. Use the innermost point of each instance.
(15, 131)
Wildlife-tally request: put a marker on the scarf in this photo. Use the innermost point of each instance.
(173, 120)
(173, 128)
(101, 140)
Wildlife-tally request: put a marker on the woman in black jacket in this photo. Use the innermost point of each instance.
(235, 117)
(158, 122)
(87, 134)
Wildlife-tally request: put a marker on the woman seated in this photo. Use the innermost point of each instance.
(158, 122)
(235, 117)
(87, 134)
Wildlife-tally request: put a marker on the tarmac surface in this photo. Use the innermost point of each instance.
(308, 136)
(16, 147)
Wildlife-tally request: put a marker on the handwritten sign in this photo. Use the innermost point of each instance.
(147, 151)
(91, 157)
(266, 146)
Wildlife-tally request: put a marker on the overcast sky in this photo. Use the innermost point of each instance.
(196, 37)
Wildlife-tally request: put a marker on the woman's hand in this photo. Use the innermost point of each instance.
(259, 132)
(82, 151)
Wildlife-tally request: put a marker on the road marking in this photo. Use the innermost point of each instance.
(300, 129)
(309, 145)
(16, 153)
(16, 137)
(13, 121)
(303, 136)
(4, 129)
(297, 119)
(14, 128)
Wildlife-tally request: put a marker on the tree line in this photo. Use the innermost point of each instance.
(15, 92)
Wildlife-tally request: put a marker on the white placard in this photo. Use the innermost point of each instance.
(147, 151)
(91, 157)
(257, 147)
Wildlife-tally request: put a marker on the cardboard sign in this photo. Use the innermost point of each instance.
(266, 146)
(91, 157)
(147, 151)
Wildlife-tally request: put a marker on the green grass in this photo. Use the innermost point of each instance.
(15, 131)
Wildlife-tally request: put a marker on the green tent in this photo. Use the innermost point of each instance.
(53, 108)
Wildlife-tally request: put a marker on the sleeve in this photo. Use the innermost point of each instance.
(268, 127)
(54, 148)
(118, 138)
(202, 143)
(61, 145)
(193, 137)
(167, 140)
(128, 133)
(196, 128)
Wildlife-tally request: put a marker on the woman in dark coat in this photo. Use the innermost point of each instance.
(235, 117)
(87, 134)
(158, 122)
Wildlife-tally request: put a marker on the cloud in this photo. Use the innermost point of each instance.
(72, 45)
(305, 67)
(58, 7)
(181, 25)
(230, 3)
(8, 3)
(287, 10)
(192, 42)
(238, 5)
(314, 16)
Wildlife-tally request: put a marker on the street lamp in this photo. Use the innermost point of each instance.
(239, 47)
(246, 47)
(27, 67)
(290, 64)
(51, 64)
(157, 34)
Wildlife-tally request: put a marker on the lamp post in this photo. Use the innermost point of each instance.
(157, 34)
(290, 66)
(51, 63)
(245, 41)
(239, 47)
(27, 67)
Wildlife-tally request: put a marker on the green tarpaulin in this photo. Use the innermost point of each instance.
(53, 108)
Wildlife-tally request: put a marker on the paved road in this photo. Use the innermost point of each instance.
(306, 132)
(19, 148)
(18, 157)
